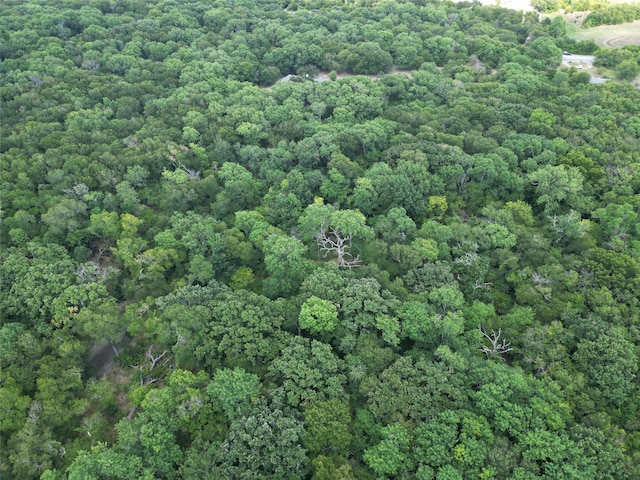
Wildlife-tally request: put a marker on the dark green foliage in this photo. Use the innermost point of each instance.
(266, 443)
(367, 57)
(628, 70)
(233, 391)
(425, 265)
(414, 391)
(243, 330)
(327, 425)
(308, 371)
(612, 15)
(33, 275)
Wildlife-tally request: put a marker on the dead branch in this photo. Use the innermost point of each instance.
(154, 359)
(334, 241)
(497, 348)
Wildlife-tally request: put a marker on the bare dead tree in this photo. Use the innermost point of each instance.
(131, 142)
(467, 259)
(143, 259)
(103, 247)
(35, 79)
(87, 272)
(78, 191)
(480, 284)
(461, 182)
(152, 360)
(498, 348)
(173, 151)
(538, 279)
(541, 367)
(334, 241)
(90, 65)
(193, 174)
(91, 272)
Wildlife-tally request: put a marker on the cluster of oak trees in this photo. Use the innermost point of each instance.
(431, 273)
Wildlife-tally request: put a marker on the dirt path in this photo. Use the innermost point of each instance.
(324, 76)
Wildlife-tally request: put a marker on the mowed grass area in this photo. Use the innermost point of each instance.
(610, 35)
(605, 35)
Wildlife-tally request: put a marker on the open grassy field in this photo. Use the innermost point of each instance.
(606, 35)
(610, 35)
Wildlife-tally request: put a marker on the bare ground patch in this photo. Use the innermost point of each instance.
(102, 358)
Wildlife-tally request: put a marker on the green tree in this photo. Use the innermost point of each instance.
(364, 300)
(331, 468)
(102, 461)
(33, 448)
(396, 226)
(67, 216)
(454, 443)
(335, 187)
(614, 270)
(15, 404)
(266, 444)
(546, 6)
(234, 391)
(285, 264)
(308, 371)
(244, 330)
(414, 390)
(327, 427)
(617, 222)
(31, 277)
(610, 365)
(557, 187)
(544, 51)
(391, 456)
(240, 188)
(153, 434)
(366, 58)
(318, 316)
(326, 282)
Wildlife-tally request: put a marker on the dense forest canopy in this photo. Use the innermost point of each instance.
(416, 257)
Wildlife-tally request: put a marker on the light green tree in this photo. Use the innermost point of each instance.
(318, 316)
